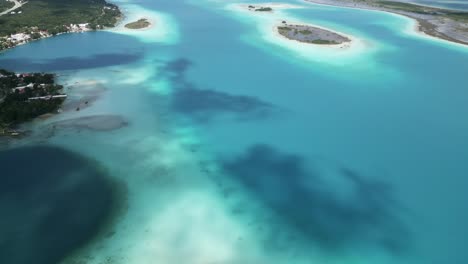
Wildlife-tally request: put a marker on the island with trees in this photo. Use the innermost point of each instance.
(25, 96)
(139, 24)
(36, 19)
(260, 8)
(310, 34)
(448, 24)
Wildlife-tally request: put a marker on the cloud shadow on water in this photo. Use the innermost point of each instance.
(205, 105)
(365, 216)
(51, 202)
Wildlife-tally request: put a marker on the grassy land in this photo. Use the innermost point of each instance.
(141, 23)
(459, 16)
(324, 42)
(264, 9)
(52, 15)
(4, 5)
(406, 7)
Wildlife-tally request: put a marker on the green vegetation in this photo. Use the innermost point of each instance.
(405, 7)
(17, 102)
(141, 23)
(305, 32)
(324, 42)
(264, 9)
(5, 5)
(459, 16)
(425, 10)
(53, 15)
(309, 34)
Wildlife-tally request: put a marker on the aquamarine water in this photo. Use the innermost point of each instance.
(245, 148)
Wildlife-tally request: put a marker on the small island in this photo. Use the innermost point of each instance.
(260, 8)
(140, 24)
(309, 34)
(24, 96)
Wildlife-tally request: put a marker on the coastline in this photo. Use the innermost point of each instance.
(425, 25)
(27, 37)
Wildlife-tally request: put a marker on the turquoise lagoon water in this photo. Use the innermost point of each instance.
(244, 148)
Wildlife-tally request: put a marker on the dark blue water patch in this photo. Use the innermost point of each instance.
(74, 51)
(51, 202)
(205, 105)
(69, 63)
(367, 217)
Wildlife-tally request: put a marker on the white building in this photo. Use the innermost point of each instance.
(20, 37)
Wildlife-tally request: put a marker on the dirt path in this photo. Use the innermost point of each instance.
(18, 4)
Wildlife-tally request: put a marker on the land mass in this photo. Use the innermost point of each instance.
(260, 8)
(5, 6)
(140, 24)
(36, 19)
(309, 34)
(451, 25)
(26, 96)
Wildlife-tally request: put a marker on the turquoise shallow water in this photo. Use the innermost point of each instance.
(242, 150)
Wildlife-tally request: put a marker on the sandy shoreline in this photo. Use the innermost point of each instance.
(425, 25)
(244, 7)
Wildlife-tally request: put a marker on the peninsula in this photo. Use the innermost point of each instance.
(447, 24)
(24, 96)
(310, 34)
(36, 19)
